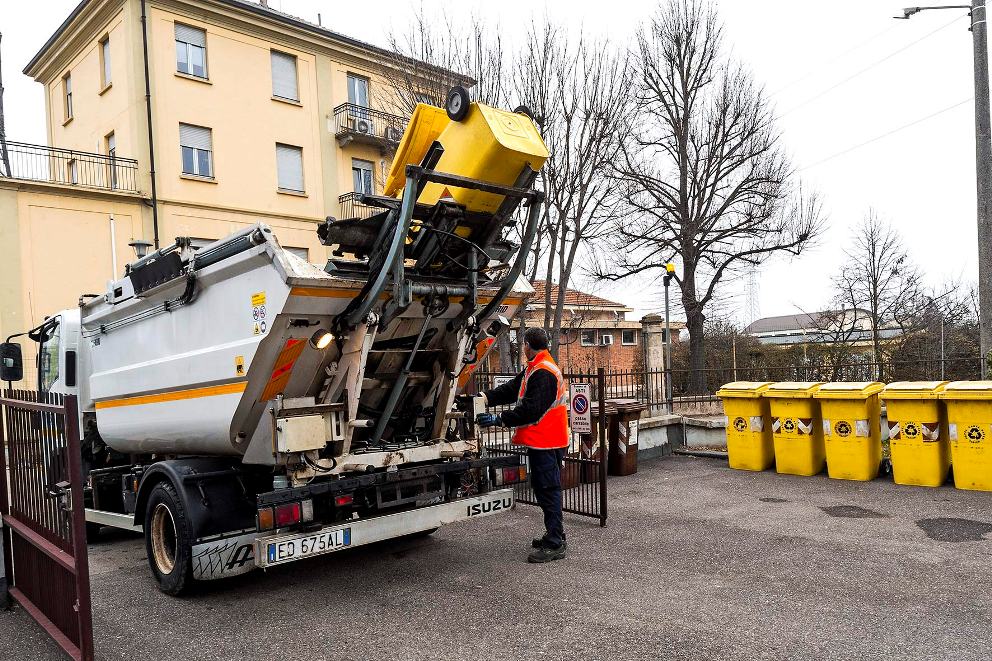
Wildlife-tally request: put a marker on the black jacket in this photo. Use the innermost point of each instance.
(540, 396)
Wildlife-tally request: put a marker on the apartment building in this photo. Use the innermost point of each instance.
(171, 118)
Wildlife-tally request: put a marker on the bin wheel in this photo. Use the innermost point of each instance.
(168, 540)
(457, 102)
(524, 110)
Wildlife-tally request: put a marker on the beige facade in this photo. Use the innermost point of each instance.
(235, 141)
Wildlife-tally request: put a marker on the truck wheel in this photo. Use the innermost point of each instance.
(168, 540)
(457, 103)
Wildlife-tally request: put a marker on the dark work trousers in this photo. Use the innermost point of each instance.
(545, 479)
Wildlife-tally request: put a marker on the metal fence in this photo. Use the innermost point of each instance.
(351, 206)
(70, 167)
(369, 125)
(583, 475)
(44, 531)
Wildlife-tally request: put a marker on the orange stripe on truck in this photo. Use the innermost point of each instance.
(175, 395)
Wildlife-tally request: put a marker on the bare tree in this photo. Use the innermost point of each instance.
(576, 89)
(879, 278)
(4, 155)
(431, 56)
(702, 169)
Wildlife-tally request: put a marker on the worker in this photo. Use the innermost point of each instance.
(540, 422)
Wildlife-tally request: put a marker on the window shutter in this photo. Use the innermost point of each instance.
(196, 137)
(107, 71)
(302, 253)
(284, 76)
(191, 35)
(289, 163)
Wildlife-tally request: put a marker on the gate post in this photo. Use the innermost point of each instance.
(604, 452)
(78, 517)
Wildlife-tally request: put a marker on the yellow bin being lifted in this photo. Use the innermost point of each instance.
(969, 423)
(749, 428)
(488, 144)
(918, 442)
(797, 432)
(852, 435)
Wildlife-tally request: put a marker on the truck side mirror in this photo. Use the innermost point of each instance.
(11, 366)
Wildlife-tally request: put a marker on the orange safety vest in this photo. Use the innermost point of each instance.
(551, 431)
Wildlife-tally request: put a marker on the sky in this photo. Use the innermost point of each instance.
(876, 114)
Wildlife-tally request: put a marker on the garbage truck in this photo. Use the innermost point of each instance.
(244, 408)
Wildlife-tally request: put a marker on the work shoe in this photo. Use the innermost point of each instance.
(542, 541)
(546, 554)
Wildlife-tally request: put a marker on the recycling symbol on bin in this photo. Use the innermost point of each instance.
(843, 428)
(975, 434)
(910, 430)
(740, 424)
(789, 425)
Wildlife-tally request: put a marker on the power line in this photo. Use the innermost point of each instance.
(888, 133)
(867, 68)
(836, 58)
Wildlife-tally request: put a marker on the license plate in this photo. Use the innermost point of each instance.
(302, 547)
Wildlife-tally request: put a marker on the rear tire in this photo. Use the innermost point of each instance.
(168, 540)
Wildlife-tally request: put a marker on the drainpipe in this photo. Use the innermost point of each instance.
(148, 109)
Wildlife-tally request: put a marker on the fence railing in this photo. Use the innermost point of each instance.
(369, 125)
(350, 206)
(70, 167)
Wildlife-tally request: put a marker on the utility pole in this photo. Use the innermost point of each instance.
(983, 167)
(669, 399)
(4, 155)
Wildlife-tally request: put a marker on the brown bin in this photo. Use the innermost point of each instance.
(623, 426)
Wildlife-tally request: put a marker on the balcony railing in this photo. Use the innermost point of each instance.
(360, 124)
(70, 167)
(352, 207)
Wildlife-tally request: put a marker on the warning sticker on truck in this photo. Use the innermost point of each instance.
(259, 324)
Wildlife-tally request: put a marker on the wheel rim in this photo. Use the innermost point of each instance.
(455, 104)
(163, 539)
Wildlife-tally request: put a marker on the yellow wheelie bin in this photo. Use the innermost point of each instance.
(852, 435)
(969, 423)
(918, 444)
(749, 425)
(797, 431)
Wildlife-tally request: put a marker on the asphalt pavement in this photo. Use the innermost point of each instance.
(697, 562)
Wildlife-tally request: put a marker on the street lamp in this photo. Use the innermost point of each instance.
(669, 274)
(983, 158)
(140, 247)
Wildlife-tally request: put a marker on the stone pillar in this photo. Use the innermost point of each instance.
(653, 348)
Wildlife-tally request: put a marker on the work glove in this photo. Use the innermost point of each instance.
(488, 420)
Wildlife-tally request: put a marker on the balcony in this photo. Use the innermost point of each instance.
(351, 207)
(353, 123)
(70, 167)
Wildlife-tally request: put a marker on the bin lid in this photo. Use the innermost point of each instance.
(913, 390)
(793, 389)
(967, 390)
(743, 389)
(848, 389)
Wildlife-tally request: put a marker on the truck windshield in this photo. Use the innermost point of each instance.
(48, 359)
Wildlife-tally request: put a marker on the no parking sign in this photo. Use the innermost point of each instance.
(579, 410)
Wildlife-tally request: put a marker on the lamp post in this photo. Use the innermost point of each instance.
(140, 247)
(669, 274)
(983, 158)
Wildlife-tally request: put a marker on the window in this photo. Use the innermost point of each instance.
(628, 337)
(302, 253)
(195, 143)
(289, 168)
(48, 358)
(105, 61)
(587, 338)
(67, 96)
(284, 85)
(72, 171)
(110, 143)
(361, 174)
(191, 50)
(358, 90)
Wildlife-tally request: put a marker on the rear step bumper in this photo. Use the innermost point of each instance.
(274, 550)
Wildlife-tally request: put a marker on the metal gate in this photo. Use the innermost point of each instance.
(44, 528)
(584, 472)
